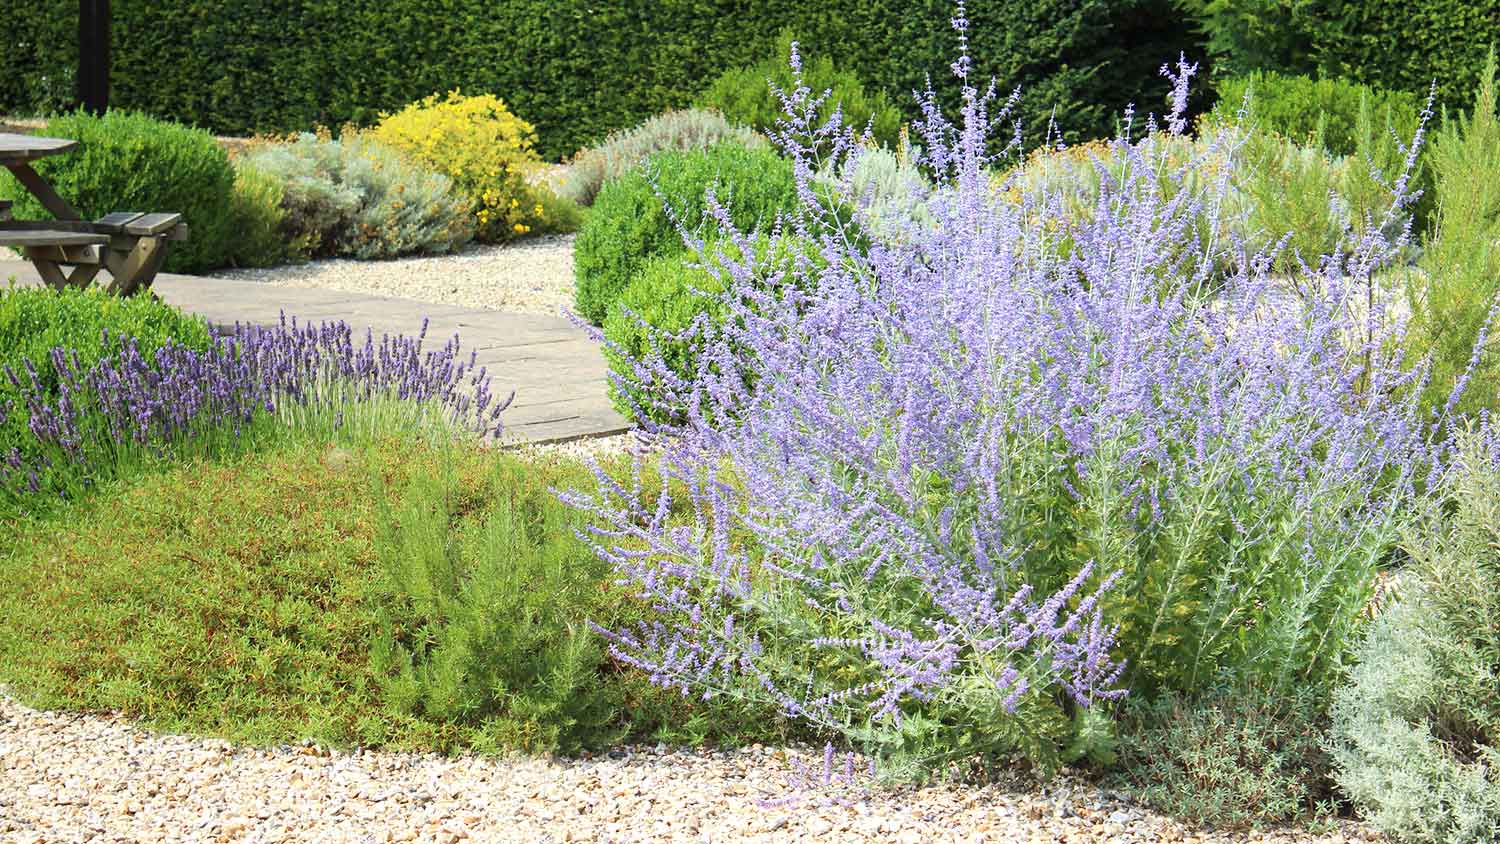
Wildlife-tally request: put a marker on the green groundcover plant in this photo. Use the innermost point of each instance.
(385, 590)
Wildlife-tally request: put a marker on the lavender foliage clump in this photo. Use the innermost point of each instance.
(288, 375)
(955, 487)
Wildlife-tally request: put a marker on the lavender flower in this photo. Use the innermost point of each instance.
(291, 373)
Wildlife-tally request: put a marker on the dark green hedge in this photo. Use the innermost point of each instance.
(1402, 45)
(575, 68)
(1409, 44)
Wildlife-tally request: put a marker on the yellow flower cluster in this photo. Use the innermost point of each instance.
(487, 151)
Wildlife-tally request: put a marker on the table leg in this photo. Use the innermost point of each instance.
(50, 272)
(136, 268)
(43, 192)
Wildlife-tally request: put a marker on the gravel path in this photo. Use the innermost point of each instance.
(77, 778)
(532, 276)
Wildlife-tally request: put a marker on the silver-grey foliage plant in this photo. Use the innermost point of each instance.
(1416, 732)
(355, 197)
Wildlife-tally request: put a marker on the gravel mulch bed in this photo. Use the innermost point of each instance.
(77, 778)
(531, 276)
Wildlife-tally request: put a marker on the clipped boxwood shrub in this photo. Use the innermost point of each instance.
(670, 310)
(659, 312)
(130, 162)
(1307, 110)
(90, 324)
(745, 95)
(488, 152)
(622, 152)
(629, 224)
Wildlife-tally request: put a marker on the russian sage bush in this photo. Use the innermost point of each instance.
(957, 490)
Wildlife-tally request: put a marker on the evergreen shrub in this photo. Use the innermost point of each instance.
(630, 224)
(126, 161)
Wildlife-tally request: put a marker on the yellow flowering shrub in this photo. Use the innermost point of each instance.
(488, 153)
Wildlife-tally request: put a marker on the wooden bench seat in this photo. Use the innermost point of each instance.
(23, 238)
(50, 249)
(130, 244)
(138, 224)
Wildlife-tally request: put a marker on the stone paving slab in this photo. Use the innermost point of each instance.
(557, 372)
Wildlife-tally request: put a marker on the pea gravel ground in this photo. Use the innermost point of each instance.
(90, 778)
(530, 276)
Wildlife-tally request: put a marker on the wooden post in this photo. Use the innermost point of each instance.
(93, 55)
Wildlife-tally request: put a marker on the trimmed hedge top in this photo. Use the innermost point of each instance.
(576, 69)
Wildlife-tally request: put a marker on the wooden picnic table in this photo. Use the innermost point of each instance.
(131, 245)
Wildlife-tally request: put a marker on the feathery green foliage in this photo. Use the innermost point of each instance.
(1454, 290)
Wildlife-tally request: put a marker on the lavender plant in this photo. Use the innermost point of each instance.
(955, 490)
(314, 379)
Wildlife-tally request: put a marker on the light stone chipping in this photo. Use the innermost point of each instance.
(530, 276)
(90, 778)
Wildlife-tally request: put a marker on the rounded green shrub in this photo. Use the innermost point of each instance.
(629, 224)
(622, 152)
(670, 310)
(1309, 110)
(658, 313)
(89, 324)
(1416, 732)
(258, 217)
(130, 162)
(745, 95)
